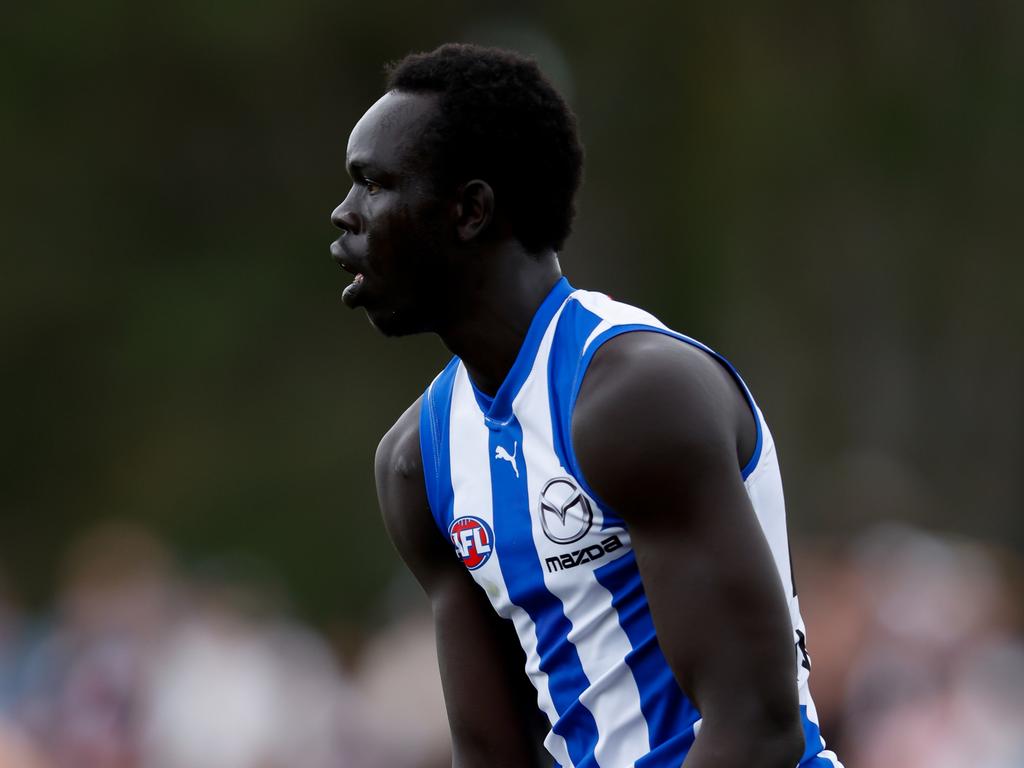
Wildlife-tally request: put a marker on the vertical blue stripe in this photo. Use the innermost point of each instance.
(813, 744)
(669, 713)
(575, 325)
(523, 574)
(435, 421)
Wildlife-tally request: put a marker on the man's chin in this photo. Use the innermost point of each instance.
(393, 323)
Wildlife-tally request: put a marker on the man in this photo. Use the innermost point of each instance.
(579, 478)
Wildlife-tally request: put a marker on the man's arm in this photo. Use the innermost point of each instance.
(492, 709)
(660, 430)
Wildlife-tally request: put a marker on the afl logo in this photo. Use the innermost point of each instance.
(565, 513)
(472, 539)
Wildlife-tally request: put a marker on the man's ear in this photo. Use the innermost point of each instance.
(474, 209)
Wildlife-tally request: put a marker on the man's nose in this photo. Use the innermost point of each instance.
(344, 218)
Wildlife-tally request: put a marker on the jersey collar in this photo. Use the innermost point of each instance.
(498, 410)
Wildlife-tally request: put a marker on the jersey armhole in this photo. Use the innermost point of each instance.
(584, 363)
(429, 451)
(435, 409)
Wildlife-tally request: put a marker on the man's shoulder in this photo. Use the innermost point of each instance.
(404, 506)
(650, 393)
(652, 369)
(629, 344)
(398, 454)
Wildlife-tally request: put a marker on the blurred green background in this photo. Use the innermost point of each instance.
(828, 193)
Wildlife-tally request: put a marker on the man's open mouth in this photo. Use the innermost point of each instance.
(351, 293)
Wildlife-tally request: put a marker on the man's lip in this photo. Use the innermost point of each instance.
(351, 294)
(344, 258)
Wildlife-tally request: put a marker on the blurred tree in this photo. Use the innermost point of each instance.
(836, 213)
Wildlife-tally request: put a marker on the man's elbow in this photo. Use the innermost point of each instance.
(783, 747)
(760, 741)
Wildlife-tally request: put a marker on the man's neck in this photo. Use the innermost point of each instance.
(498, 304)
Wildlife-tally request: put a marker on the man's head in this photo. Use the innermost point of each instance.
(502, 121)
(461, 128)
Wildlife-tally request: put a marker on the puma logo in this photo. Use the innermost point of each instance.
(501, 453)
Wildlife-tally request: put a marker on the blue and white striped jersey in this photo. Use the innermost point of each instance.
(504, 484)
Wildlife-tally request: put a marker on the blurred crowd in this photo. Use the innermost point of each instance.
(143, 665)
(916, 644)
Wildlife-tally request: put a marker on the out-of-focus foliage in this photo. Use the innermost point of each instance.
(826, 192)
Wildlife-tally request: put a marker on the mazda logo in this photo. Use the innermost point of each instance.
(565, 513)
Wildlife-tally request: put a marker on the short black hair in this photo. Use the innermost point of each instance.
(501, 120)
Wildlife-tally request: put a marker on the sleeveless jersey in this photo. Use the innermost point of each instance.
(505, 487)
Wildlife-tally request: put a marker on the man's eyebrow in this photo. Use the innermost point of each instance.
(359, 167)
(355, 167)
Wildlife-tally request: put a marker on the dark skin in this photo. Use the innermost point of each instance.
(445, 262)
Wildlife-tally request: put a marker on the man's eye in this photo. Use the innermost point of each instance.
(372, 187)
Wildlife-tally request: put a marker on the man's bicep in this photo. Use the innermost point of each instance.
(402, 495)
(719, 607)
(487, 697)
(656, 436)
